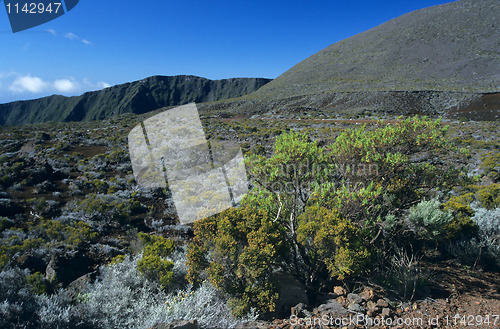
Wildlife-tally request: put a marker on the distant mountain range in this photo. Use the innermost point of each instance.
(136, 97)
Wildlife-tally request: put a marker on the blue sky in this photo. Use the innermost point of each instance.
(107, 42)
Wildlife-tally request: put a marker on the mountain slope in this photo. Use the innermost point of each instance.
(136, 97)
(450, 47)
(441, 60)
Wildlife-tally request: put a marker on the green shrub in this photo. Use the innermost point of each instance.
(112, 189)
(462, 223)
(100, 185)
(153, 264)
(155, 268)
(246, 248)
(490, 164)
(49, 233)
(38, 283)
(72, 235)
(107, 206)
(400, 157)
(4, 223)
(429, 220)
(334, 241)
(117, 259)
(16, 245)
(489, 196)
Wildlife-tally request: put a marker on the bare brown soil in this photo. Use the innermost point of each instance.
(461, 298)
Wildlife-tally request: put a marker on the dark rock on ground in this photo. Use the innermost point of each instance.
(66, 267)
(32, 262)
(78, 286)
(291, 293)
(9, 208)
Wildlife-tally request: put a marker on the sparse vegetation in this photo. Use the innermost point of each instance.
(324, 194)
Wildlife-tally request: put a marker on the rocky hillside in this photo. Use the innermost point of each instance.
(135, 97)
(438, 60)
(451, 47)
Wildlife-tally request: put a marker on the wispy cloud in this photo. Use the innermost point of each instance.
(52, 31)
(71, 36)
(29, 84)
(5, 75)
(102, 85)
(65, 85)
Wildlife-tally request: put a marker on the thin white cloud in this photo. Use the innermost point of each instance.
(5, 75)
(29, 84)
(52, 31)
(102, 85)
(65, 85)
(71, 36)
(26, 85)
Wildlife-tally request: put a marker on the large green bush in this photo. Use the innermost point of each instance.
(321, 213)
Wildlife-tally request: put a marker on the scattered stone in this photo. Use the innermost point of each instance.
(382, 303)
(354, 298)
(372, 306)
(339, 291)
(368, 294)
(332, 306)
(342, 300)
(355, 307)
(386, 312)
(300, 310)
(405, 306)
